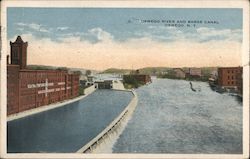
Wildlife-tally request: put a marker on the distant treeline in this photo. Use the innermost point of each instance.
(157, 71)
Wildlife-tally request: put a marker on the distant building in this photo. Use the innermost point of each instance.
(105, 84)
(230, 77)
(194, 72)
(27, 88)
(239, 82)
(179, 73)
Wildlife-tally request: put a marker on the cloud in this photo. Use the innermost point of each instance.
(62, 28)
(223, 34)
(75, 51)
(100, 34)
(33, 27)
(201, 34)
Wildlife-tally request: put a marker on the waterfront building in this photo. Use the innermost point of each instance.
(28, 88)
(194, 72)
(179, 73)
(105, 84)
(230, 77)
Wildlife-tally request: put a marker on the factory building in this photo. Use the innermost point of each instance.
(28, 89)
(230, 77)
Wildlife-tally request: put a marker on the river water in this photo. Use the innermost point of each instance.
(67, 128)
(171, 118)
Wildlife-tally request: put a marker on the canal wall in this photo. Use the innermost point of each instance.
(104, 142)
(89, 90)
(118, 85)
(19, 115)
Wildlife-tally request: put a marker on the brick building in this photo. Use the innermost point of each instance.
(230, 77)
(28, 89)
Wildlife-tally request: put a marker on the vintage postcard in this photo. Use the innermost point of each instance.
(130, 79)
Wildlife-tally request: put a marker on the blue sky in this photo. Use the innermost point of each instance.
(120, 25)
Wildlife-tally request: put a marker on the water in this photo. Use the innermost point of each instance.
(171, 118)
(67, 128)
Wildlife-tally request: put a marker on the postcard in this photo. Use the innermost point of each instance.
(125, 79)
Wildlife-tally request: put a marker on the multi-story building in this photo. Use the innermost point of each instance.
(28, 89)
(230, 77)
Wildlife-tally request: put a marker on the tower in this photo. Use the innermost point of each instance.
(18, 51)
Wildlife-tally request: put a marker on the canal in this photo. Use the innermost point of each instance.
(67, 128)
(171, 118)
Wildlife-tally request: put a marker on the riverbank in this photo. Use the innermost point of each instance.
(26, 113)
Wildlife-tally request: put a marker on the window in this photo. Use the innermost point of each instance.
(232, 82)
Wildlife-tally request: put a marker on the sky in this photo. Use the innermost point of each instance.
(101, 38)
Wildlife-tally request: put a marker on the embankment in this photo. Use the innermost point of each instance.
(104, 142)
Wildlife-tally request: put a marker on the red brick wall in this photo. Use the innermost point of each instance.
(75, 87)
(12, 88)
(31, 91)
(228, 77)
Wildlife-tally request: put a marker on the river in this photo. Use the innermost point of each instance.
(171, 118)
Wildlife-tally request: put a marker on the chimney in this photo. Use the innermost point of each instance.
(8, 57)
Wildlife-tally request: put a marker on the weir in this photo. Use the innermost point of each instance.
(104, 142)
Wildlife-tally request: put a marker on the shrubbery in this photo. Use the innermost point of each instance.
(131, 82)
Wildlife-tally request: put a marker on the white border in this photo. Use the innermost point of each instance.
(244, 4)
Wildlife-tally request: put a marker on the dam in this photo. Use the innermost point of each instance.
(68, 128)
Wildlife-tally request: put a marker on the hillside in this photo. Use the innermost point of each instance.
(44, 67)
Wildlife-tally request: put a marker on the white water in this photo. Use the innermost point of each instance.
(106, 144)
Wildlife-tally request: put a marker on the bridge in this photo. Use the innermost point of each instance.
(68, 128)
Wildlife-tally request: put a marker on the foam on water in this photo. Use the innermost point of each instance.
(171, 118)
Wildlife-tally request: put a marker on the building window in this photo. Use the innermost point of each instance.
(232, 82)
(228, 71)
(232, 77)
(228, 77)
(228, 82)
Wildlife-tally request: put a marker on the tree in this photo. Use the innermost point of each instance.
(88, 72)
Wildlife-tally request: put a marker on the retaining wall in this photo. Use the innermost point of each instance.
(126, 114)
